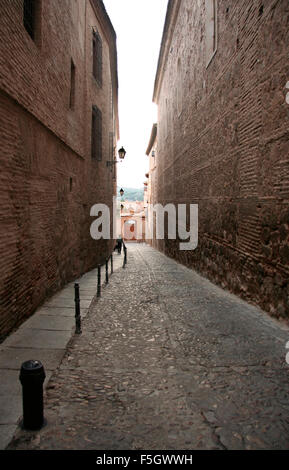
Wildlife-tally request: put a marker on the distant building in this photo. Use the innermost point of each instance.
(222, 137)
(59, 127)
(151, 194)
(133, 221)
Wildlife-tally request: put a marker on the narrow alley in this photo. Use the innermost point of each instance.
(160, 128)
(167, 360)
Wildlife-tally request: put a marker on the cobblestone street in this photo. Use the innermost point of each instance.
(166, 360)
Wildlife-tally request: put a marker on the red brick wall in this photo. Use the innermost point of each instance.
(48, 181)
(228, 150)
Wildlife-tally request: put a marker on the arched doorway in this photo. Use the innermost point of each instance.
(129, 230)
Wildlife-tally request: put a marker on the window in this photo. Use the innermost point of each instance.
(72, 85)
(32, 17)
(179, 88)
(211, 30)
(96, 134)
(111, 102)
(166, 118)
(111, 153)
(97, 57)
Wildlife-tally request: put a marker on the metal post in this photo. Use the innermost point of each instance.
(124, 259)
(98, 280)
(77, 310)
(32, 376)
(111, 262)
(106, 271)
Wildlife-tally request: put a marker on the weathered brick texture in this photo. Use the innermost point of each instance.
(228, 148)
(48, 181)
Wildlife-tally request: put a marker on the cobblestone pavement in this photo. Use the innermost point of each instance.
(168, 361)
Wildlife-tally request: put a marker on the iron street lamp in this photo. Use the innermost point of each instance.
(121, 192)
(121, 155)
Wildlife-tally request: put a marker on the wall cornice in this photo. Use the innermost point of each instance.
(170, 22)
(152, 138)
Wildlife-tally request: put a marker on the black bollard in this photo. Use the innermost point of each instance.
(98, 280)
(111, 263)
(32, 376)
(77, 310)
(106, 271)
(124, 258)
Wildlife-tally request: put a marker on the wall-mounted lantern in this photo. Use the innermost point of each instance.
(121, 155)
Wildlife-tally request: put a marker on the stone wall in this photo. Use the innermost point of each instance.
(48, 180)
(223, 144)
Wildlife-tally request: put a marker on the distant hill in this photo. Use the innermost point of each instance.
(131, 194)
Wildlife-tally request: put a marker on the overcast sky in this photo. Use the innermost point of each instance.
(139, 26)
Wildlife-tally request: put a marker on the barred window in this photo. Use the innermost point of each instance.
(211, 29)
(111, 102)
(166, 118)
(111, 153)
(97, 57)
(72, 85)
(179, 87)
(96, 134)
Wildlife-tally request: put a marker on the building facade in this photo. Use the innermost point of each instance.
(223, 128)
(132, 221)
(59, 127)
(151, 192)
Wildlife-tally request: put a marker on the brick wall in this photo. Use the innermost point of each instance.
(48, 181)
(227, 149)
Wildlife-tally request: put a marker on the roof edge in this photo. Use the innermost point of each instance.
(170, 22)
(152, 138)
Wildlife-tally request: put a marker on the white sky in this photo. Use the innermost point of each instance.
(139, 26)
